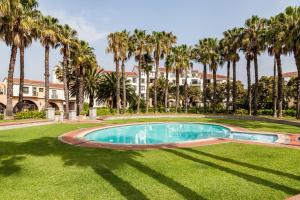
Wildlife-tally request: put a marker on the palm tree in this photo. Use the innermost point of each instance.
(92, 79)
(170, 40)
(124, 51)
(66, 37)
(201, 54)
(233, 38)
(114, 47)
(147, 65)
(141, 45)
(291, 18)
(169, 66)
(48, 35)
(181, 62)
(106, 91)
(13, 13)
(214, 59)
(254, 31)
(275, 38)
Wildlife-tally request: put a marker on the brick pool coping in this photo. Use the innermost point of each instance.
(76, 138)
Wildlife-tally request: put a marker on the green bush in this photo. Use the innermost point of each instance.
(265, 112)
(30, 115)
(1, 117)
(106, 111)
(290, 113)
(241, 111)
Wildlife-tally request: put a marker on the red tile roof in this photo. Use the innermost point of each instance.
(39, 83)
(290, 74)
(130, 74)
(210, 76)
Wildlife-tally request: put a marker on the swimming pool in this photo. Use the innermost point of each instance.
(165, 133)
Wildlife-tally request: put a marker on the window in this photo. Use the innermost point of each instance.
(34, 91)
(152, 80)
(26, 90)
(134, 80)
(152, 74)
(143, 73)
(41, 89)
(143, 80)
(143, 88)
(194, 81)
(2, 90)
(54, 94)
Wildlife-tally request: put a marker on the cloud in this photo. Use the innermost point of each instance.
(86, 30)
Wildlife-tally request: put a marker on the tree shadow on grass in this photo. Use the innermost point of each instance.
(244, 164)
(239, 174)
(102, 161)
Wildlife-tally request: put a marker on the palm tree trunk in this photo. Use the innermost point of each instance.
(22, 74)
(66, 89)
(280, 84)
(249, 86)
(140, 85)
(118, 86)
(177, 90)
(81, 86)
(228, 87)
(215, 89)
(204, 87)
(10, 80)
(124, 87)
(167, 89)
(91, 100)
(255, 85)
(297, 60)
(274, 89)
(234, 87)
(77, 90)
(155, 81)
(47, 75)
(147, 91)
(186, 94)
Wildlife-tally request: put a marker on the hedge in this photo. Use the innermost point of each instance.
(30, 115)
(1, 117)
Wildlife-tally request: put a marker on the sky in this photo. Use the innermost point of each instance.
(189, 20)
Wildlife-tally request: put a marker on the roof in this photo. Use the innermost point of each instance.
(129, 74)
(39, 83)
(210, 76)
(290, 74)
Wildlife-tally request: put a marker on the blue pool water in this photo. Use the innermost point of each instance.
(161, 133)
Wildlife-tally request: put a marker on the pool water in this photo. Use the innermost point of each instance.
(162, 133)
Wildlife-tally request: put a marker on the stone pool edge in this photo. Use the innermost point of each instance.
(76, 138)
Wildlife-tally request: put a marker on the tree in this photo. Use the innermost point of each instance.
(147, 65)
(48, 35)
(200, 54)
(13, 13)
(92, 82)
(106, 91)
(275, 38)
(214, 60)
(291, 17)
(114, 47)
(141, 45)
(66, 36)
(254, 32)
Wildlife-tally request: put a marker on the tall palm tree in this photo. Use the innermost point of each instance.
(13, 13)
(181, 62)
(275, 38)
(170, 40)
(214, 60)
(66, 36)
(141, 45)
(292, 20)
(93, 77)
(201, 54)
(114, 47)
(124, 54)
(147, 65)
(254, 31)
(48, 35)
(169, 66)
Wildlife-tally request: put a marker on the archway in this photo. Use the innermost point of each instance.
(54, 105)
(2, 108)
(27, 106)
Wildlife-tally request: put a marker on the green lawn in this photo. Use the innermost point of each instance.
(35, 165)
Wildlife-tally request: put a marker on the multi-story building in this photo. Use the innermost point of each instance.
(34, 91)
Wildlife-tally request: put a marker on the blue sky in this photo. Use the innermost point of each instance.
(190, 20)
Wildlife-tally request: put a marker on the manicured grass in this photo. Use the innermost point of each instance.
(248, 124)
(35, 165)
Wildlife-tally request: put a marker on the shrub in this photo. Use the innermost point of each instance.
(106, 111)
(265, 112)
(30, 115)
(1, 117)
(290, 113)
(241, 111)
